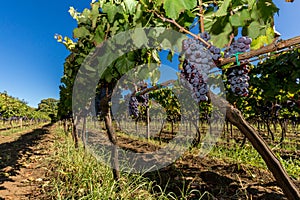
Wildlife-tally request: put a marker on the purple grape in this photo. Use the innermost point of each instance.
(133, 107)
(238, 79)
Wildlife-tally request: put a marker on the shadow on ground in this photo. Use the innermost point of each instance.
(11, 152)
(217, 180)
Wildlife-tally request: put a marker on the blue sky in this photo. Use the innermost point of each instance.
(31, 61)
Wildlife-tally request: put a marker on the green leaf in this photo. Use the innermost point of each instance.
(254, 29)
(108, 77)
(99, 35)
(259, 42)
(154, 76)
(267, 9)
(223, 38)
(138, 14)
(94, 14)
(81, 32)
(111, 10)
(270, 35)
(170, 56)
(222, 11)
(130, 5)
(139, 37)
(235, 20)
(251, 3)
(156, 56)
(174, 7)
(209, 21)
(240, 18)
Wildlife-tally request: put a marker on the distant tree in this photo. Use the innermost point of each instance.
(49, 106)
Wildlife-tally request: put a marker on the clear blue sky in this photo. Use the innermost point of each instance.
(31, 61)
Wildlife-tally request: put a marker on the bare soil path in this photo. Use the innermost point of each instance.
(22, 166)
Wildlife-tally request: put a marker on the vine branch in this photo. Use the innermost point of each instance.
(266, 49)
(201, 18)
(157, 86)
(182, 29)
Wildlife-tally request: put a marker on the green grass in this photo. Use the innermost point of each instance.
(248, 156)
(19, 129)
(76, 174)
(142, 139)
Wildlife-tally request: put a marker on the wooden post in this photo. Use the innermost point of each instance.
(148, 123)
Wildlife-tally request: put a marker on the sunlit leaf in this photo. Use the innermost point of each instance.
(222, 11)
(174, 7)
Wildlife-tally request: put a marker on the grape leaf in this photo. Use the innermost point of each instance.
(223, 38)
(251, 3)
(94, 14)
(235, 20)
(240, 18)
(139, 37)
(130, 5)
(259, 42)
(81, 32)
(99, 35)
(270, 35)
(254, 29)
(174, 7)
(111, 11)
(222, 11)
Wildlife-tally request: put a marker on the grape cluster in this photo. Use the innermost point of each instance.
(137, 98)
(144, 98)
(240, 45)
(133, 107)
(215, 52)
(197, 82)
(238, 79)
(196, 65)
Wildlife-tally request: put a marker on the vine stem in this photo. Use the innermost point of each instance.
(182, 29)
(201, 18)
(230, 40)
(157, 86)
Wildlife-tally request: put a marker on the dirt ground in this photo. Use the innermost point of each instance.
(221, 179)
(22, 169)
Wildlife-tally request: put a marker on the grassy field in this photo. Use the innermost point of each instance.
(76, 174)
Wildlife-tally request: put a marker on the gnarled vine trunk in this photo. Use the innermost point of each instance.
(274, 165)
(74, 131)
(114, 152)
